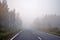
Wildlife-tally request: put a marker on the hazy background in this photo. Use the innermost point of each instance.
(36, 15)
(30, 9)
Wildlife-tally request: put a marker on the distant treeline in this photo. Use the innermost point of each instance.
(49, 22)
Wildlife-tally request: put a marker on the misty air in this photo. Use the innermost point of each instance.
(29, 19)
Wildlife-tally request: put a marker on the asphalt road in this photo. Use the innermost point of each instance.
(30, 35)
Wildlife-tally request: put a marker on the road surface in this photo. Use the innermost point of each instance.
(30, 35)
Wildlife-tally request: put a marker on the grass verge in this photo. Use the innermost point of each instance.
(5, 35)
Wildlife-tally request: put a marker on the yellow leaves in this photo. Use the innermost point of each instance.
(3, 10)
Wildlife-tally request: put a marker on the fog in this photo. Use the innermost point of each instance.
(31, 9)
(30, 18)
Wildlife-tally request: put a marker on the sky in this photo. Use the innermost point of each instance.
(31, 9)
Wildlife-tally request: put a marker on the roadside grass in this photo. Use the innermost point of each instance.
(5, 35)
(52, 31)
(57, 32)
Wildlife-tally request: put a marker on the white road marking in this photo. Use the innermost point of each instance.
(53, 35)
(15, 35)
(39, 38)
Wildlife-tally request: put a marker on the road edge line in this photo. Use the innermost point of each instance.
(53, 35)
(15, 35)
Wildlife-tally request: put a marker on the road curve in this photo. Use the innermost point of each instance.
(26, 35)
(30, 35)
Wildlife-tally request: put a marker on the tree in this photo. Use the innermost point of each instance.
(4, 9)
(3, 13)
(7, 18)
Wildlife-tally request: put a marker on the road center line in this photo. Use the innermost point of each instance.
(39, 38)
